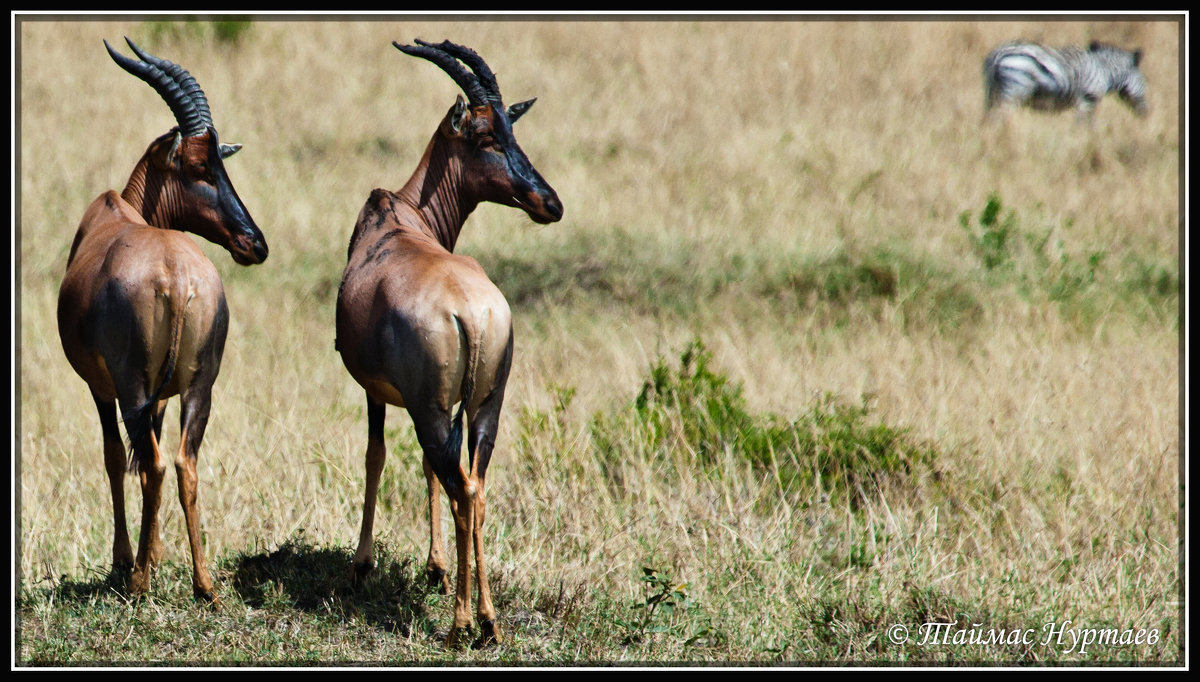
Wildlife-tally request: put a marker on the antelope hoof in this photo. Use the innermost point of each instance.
(437, 578)
(458, 635)
(121, 578)
(123, 561)
(489, 634)
(206, 596)
(360, 571)
(121, 570)
(139, 582)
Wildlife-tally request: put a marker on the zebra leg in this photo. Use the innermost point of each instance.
(1085, 110)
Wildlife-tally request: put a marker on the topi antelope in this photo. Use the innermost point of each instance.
(422, 328)
(141, 311)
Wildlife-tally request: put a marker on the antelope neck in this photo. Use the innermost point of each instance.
(435, 193)
(150, 195)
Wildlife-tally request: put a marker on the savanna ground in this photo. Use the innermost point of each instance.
(813, 355)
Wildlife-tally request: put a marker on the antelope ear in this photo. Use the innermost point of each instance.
(228, 150)
(173, 152)
(517, 110)
(458, 116)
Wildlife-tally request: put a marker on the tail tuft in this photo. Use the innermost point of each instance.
(137, 427)
(138, 420)
(452, 450)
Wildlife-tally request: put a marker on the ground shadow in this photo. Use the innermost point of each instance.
(113, 583)
(320, 579)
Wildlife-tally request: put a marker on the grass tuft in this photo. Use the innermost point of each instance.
(833, 449)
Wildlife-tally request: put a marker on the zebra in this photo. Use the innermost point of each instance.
(1048, 79)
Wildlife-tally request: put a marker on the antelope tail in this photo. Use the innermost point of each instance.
(453, 448)
(452, 451)
(138, 419)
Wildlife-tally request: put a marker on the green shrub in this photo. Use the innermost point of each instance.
(1083, 282)
(693, 410)
(991, 240)
(225, 31)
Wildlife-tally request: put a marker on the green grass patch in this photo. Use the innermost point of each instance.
(295, 605)
(695, 412)
(1084, 284)
(228, 31)
(617, 270)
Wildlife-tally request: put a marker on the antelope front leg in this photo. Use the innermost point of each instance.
(435, 566)
(364, 559)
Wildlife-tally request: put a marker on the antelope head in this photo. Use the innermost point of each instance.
(181, 182)
(479, 130)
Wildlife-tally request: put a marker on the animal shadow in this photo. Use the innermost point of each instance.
(115, 582)
(319, 579)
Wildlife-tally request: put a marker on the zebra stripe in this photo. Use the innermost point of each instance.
(1049, 79)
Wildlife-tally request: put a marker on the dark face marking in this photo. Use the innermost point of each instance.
(212, 207)
(510, 177)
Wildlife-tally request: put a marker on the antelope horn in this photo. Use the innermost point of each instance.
(471, 58)
(174, 84)
(470, 84)
(185, 80)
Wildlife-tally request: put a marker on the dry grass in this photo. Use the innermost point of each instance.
(680, 149)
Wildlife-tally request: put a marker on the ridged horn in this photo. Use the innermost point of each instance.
(173, 83)
(476, 93)
(471, 58)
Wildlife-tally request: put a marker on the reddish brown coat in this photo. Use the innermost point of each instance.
(142, 314)
(422, 328)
